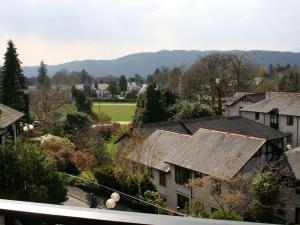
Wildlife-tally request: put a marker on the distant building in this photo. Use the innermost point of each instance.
(143, 89)
(9, 122)
(101, 91)
(133, 86)
(240, 100)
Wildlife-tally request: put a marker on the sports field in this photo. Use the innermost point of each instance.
(117, 111)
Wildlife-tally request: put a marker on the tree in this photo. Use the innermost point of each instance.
(82, 103)
(149, 106)
(76, 126)
(13, 82)
(265, 187)
(122, 83)
(290, 82)
(44, 104)
(188, 110)
(28, 174)
(43, 80)
(113, 88)
(85, 78)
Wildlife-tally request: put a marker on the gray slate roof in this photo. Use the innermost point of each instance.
(158, 145)
(8, 116)
(236, 124)
(237, 96)
(293, 159)
(218, 154)
(254, 97)
(286, 103)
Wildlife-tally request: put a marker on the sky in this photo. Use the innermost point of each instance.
(59, 31)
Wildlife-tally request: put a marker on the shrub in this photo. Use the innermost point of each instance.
(225, 215)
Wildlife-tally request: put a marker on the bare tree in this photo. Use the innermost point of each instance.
(44, 103)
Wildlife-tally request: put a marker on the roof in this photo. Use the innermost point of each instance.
(237, 96)
(235, 124)
(171, 125)
(253, 97)
(286, 103)
(215, 153)
(293, 159)
(8, 116)
(158, 145)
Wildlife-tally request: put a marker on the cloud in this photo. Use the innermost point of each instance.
(63, 30)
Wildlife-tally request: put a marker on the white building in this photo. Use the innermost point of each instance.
(240, 100)
(280, 111)
(175, 158)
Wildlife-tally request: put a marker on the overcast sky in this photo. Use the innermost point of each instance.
(58, 31)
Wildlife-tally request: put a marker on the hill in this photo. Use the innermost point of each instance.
(146, 62)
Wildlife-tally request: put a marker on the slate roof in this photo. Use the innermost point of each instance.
(237, 96)
(8, 116)
(293, 159)
(158, 145)
(235, 124)
(173, 126)
(218, 154)
(254, 97)
(286, 103)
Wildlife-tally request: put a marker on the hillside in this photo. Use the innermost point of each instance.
(145, 63)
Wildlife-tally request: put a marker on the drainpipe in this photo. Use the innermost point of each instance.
(297, 129)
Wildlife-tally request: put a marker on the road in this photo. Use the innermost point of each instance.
(79, 198)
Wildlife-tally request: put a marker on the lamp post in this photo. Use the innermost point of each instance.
(28, 128)
(112, 202)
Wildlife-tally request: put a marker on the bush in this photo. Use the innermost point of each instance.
(188, 110)
(225, 215)
(105, 176)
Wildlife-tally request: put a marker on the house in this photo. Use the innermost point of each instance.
(133, 86)
(280, 110)
(143, 89)
(240, 100)
(9, 122)
(290, 196)
(101, 90)
(174, 158)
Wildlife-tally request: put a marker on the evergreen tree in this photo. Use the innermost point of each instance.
(13, 81)
(85, 78)
(123, 83)
(43, 79)
(150, 107)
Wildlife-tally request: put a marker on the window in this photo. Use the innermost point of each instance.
(150, 172)
(182, 201)
(290, 120)
(257, 116)
(181, 175)
(240, 109)
(162, 178)
(289, 138)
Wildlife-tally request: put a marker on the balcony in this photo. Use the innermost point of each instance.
(23, 213)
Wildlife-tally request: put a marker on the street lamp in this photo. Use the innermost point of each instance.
(114, 198)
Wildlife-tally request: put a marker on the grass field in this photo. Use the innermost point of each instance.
(117, 111)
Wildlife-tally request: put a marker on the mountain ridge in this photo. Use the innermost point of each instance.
(144, 63)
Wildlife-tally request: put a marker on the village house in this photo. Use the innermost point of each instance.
(290, 196)
(280, 111)
(240, 100)
(9, 122)
(176, 157)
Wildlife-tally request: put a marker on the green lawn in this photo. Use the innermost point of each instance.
(117, 111)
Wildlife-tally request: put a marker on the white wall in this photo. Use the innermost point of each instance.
(282, 126)
(233, 110)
